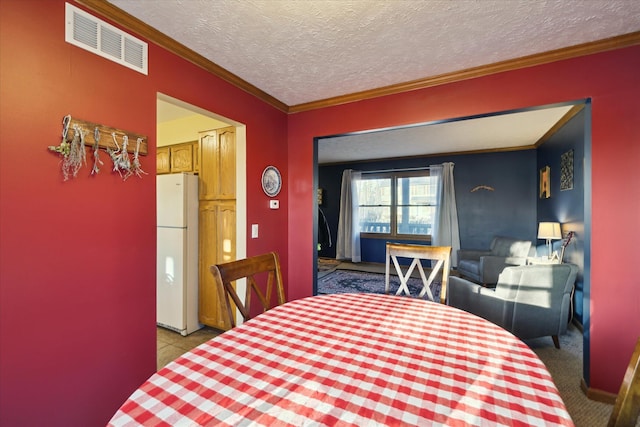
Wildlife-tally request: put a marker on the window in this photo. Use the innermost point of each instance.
(397, 204)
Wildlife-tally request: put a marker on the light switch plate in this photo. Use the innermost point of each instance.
(274, 204)
(254, 231)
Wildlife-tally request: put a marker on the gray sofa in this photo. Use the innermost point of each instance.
(529, 301)
(484, 266)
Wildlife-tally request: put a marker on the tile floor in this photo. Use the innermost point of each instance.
(171, 344)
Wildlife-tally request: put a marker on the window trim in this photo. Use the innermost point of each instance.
(394, 175)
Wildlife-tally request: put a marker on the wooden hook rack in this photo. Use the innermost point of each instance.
(106, 139)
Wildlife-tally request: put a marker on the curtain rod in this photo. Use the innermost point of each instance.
(424, 168)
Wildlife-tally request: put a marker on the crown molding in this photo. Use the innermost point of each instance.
(132, 23)
(563, 121)
(128, 21)
(598, 46)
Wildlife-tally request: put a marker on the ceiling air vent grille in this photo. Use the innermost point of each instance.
(92, 34)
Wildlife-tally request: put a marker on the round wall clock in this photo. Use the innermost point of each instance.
(271, 181)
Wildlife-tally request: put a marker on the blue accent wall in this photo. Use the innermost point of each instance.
(509, 210)
(512, 209)
(567, 206)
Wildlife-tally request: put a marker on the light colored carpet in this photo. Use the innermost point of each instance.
(565, 366)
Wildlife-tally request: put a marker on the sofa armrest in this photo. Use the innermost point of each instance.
(472, 254)
(543, 301)
(476, 299)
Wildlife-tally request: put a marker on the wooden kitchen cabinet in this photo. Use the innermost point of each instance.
(181, 158)
(196, 157)
(218, 165)
(178, 158)
(217, 223)
(217, 216)
(163, 164)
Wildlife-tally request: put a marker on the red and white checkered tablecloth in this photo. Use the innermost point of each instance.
(353, 360)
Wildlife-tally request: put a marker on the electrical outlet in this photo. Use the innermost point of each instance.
(254, 231)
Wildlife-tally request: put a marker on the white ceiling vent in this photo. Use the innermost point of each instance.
(92, 34)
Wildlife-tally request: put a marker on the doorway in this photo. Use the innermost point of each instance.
(180, 128)
(574, 115)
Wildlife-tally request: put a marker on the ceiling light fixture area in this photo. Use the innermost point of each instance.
(90, 33)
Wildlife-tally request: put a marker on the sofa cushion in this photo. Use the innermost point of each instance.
(505, 247)
(469, 267)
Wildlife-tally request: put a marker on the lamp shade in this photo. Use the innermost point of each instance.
(549, 230)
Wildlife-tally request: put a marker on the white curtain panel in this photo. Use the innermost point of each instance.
(445, 228)
(348, 241)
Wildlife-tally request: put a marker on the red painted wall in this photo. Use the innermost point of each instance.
(77, 258)
(612, 80)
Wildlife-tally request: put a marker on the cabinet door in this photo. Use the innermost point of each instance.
(162, 160)
(217, 216)
(217, 224)
(208, 164)
(181, 158)
(226, 175)
(218, 165)
(196, 156)
(226, 226)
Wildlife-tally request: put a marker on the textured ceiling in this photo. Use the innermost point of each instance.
(494, 132)
(300, 51)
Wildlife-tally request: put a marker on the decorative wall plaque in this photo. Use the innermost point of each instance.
(271, 181)
(545, 182)
(566, 171)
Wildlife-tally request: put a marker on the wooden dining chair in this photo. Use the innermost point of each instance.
(253, 269)
(627, 406)
(441, 254)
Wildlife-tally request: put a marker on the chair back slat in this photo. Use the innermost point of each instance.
(627, 406)
(225, 275)
(441, 254)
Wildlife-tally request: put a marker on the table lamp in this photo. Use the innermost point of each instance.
(549, 231)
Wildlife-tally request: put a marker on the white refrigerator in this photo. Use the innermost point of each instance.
(177, 252)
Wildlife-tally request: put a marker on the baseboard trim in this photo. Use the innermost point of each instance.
(597, 395)
(594, 393)
(578, 325)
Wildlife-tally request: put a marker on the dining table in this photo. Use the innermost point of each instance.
(353, 360)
